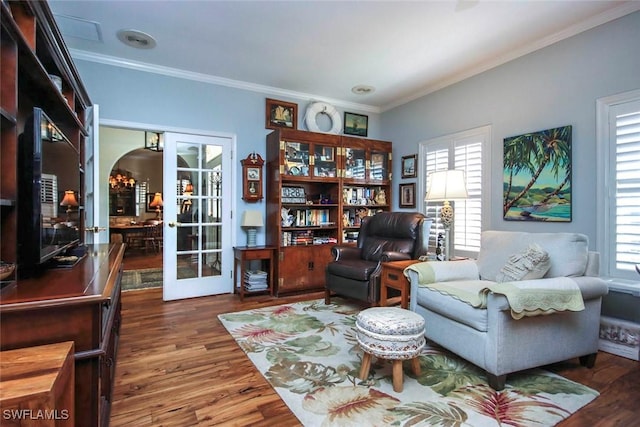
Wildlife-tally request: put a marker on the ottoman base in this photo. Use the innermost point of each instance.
(398, 375)
(390, 333)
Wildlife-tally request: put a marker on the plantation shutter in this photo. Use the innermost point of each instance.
(625, 126)
(437, 158)
(468, 213)
(142, 188)
(461, 151)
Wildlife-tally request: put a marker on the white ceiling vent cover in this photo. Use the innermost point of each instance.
(137, 39)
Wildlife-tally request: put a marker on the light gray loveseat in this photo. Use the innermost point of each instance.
(490, 337)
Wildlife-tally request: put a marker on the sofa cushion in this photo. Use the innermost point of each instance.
(568, 252)
(532, 263)
(452, 308)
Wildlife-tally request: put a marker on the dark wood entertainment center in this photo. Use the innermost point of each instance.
(50, 305)
(79, 304)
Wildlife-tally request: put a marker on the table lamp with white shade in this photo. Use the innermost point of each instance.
(251, 220)
(445, 186)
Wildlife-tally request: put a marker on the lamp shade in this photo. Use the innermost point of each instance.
(446, 185)
(157, 201)
(251, 219)
(69, 199)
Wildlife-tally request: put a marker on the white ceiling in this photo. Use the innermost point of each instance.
(319, 50)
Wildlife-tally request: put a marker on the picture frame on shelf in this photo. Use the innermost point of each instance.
(407, 195)
(356, 124)
(281, 114)
(409, 166)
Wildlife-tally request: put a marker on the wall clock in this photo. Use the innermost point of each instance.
(252, 178)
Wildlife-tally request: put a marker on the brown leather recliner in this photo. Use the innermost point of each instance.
(386, 236)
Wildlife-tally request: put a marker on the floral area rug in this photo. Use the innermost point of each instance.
(309, 353)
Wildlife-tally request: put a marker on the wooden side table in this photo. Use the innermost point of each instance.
(243, 254)
(392, 277)
(38, 381)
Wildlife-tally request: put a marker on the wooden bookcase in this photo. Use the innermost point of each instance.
(318, 187)
(32, 48)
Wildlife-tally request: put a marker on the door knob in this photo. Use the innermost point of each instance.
(94, 229)
(173, 223)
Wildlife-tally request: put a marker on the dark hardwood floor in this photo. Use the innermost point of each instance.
(139, 260)
(177, 366)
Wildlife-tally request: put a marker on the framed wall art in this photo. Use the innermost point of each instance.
(148, 207)
(409, 169)
(537, 176)
(356, 124)
(408, 195)
(281, 114)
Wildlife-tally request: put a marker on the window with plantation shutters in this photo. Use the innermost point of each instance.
(619, 180)
(467, 151)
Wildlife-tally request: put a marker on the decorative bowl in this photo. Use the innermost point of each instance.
(6, 269)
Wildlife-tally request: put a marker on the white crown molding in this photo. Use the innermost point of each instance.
(215, 80)
(596, 20)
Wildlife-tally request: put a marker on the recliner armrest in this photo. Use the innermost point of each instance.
(346, 252)
(394, 256)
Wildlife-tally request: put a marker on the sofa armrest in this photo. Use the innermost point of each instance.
(443, 271)
(591, 287)
(394, 256)
(345, 252)
(593, 264)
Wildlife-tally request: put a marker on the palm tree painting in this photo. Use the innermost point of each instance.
(537, 176)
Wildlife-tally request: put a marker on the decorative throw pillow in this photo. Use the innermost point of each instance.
(532, 263)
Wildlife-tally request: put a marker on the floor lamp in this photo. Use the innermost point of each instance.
(445, 186)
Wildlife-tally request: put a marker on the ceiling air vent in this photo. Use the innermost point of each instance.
(137, 39)
(363, 89)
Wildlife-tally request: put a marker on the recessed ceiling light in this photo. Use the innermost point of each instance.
(137, 39)
(363, 89)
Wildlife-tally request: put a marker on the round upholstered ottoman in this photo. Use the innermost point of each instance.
(390, 333)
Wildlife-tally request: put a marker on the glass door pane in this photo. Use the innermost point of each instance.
(203, 249)
(354, 166)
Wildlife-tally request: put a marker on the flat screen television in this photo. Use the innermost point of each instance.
(49, 170)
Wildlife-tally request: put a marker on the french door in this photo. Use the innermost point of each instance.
(197, 224)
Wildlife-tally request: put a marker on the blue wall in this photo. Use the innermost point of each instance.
(554, 86)
(551, 87)
(128, 95)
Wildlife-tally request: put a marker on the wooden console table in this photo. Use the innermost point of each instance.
(392, 277)
(243, 254)
(79, 304)
(37, 385)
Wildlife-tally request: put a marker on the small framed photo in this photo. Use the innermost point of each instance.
(408, 195)
(356, 124)
(281, 114)
(409, 169)
(327, 154)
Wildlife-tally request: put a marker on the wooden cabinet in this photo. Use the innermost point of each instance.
(37, 386)
(32, 49)
(319, 186)
(79, 304)
(302, 267)
(366, 183)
